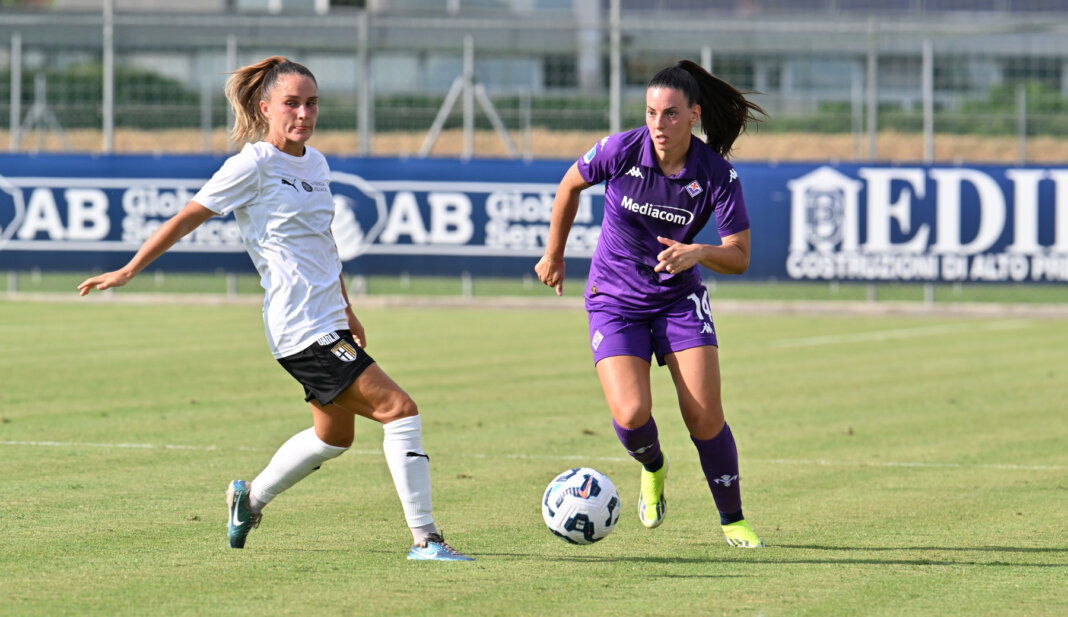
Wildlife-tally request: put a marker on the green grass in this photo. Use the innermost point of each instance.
(722, 288)
(894, 465)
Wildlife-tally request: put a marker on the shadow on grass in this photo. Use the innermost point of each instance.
(772, 556)
(989, 549)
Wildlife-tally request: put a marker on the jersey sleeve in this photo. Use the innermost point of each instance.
(598, 164)
(236, 184)
(731, 215)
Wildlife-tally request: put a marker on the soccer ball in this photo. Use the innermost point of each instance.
(581, 505)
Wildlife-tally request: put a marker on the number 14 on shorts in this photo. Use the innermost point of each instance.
(703, 310)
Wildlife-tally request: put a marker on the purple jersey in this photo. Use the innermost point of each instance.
(641, 203)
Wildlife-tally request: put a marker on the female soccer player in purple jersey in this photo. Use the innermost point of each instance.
(644, 295)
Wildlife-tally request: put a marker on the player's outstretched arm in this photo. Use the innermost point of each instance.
(550, 268)
(188, 219)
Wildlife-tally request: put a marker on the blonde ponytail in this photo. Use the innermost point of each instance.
(251, 84)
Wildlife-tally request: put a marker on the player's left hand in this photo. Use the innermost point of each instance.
(677, 257)
(356, 328)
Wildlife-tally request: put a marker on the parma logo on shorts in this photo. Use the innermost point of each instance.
(344, 351)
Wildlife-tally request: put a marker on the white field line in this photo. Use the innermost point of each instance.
(544, 457)
(900, 333)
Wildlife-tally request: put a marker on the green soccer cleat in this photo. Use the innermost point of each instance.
(741, 535)
(242, 520)
(651, 502)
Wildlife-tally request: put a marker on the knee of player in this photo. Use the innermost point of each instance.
(632, 414)
(400, 406)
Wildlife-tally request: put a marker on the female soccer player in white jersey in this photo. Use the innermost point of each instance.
(644, 295)
(279, 192)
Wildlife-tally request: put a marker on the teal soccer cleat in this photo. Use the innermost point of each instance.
(242, 520)
(434, 548)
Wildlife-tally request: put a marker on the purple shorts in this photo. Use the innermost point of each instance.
(621, 332)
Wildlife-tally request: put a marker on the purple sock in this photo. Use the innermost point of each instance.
(719, 461)
(642, 443)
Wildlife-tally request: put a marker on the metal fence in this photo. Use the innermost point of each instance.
(857, 80)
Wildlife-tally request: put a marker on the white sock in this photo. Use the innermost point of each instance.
(298, 457)
(410, 467)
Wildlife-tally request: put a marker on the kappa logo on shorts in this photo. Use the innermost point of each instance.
(597, 338)
(344, 351)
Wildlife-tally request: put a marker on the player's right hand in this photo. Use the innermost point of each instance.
(104, 281)
(551, 273)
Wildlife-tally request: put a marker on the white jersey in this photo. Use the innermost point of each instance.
(284, 208)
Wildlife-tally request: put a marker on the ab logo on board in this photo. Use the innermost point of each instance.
(12, 210)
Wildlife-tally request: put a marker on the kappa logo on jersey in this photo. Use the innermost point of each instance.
(726, 480)
(637, 173)
(344, 351)
(734, 176)
(694, 189)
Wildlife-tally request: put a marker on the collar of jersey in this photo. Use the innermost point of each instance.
(648, 158)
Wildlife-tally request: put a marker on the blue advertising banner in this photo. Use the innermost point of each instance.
(811, 222)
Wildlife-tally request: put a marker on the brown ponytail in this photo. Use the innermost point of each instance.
(725, 111)
(251, 84)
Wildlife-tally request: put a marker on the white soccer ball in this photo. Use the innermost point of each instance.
(581, 506)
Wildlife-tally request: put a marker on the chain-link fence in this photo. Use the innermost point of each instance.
(841, 79)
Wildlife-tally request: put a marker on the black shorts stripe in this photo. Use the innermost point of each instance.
(328, 367)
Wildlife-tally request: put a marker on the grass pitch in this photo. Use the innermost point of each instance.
(894, 465)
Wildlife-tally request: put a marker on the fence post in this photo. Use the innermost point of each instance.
(231, 65)
(468, 284)
(364, 123)
(108, 102)
(1021, 124)
(526, 120)
(615, 76)
(358, 286)
(205, 112)
(928, 101)
(16, 90)
(873, 91)
(468, 97)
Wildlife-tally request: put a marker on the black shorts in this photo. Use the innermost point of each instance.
(328, 367)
